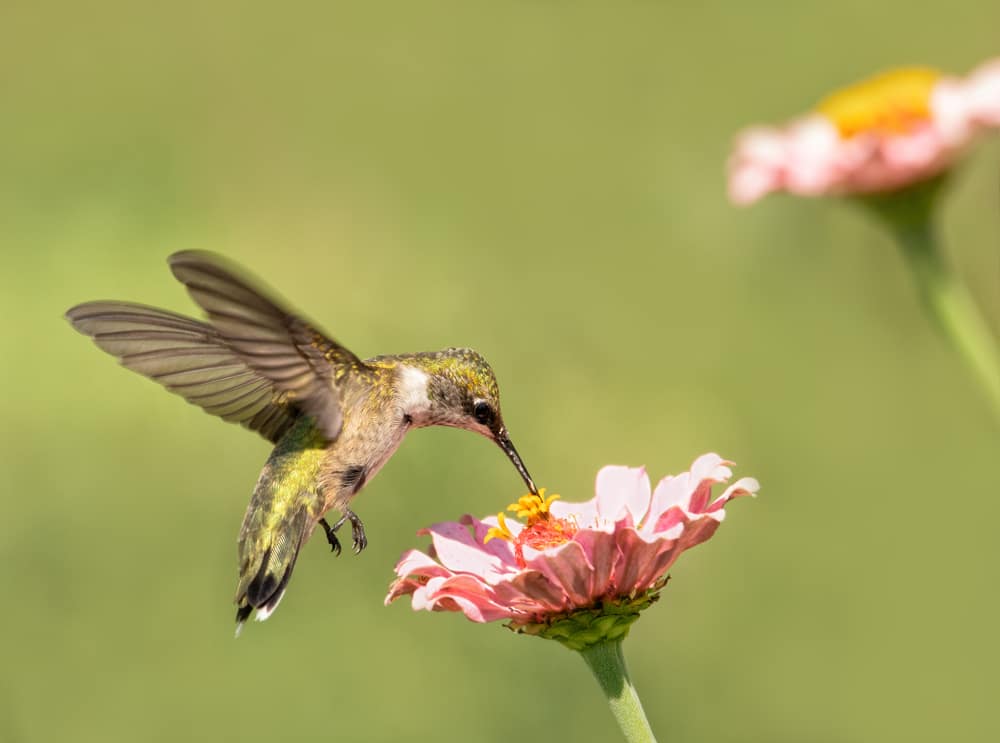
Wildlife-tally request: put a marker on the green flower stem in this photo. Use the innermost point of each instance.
(607, 662)
(909, 215)
(951, 306)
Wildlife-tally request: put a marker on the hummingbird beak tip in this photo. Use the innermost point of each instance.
(508, 447)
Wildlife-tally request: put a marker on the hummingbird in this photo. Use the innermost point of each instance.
(334, 419)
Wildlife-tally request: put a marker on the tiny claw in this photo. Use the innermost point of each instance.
(357, 531)
(331, 537)
(360, 542)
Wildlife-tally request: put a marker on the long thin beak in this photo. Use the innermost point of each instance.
(508, 447)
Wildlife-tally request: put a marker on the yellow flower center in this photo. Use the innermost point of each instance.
(542, 529)
(893, 102)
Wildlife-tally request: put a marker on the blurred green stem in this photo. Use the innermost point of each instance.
(909, 214)
(952, 308)
(607, 661)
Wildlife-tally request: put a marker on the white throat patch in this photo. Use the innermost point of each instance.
(413, 390)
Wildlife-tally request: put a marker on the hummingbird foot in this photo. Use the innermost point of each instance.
(331, 536)
(357, 531)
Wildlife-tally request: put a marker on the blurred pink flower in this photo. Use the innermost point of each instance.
(882, 134)
(568, 556)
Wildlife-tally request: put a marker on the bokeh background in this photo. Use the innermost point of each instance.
(543, 181)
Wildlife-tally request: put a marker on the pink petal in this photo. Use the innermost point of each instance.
(417, 563)
(567, 568)
(544, 594)
(670, 491)
(499, 548)
(464, 587)
(472, 610)
(611, 557)
(765, 146)
(854, 155)
(710, 467)
(809, 156)
(756, 165)
(743, 486)
(657, 558)
(437, 597)
(750, 182)
(510, 594)
(636, 565)
(583, 514)
(513, 526)
(456, 550)
(914, 150)
(602, 552)
(706, 470)
(951, 107)
(621, 492)
(698, 531)
(421, 595)
(480, 612)
(402, 587)
(668, 522)
(983, 94)
(812, 167)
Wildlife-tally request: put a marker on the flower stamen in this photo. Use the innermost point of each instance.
(541, 529)
(894, 102)
(531, 507)
(500, 531)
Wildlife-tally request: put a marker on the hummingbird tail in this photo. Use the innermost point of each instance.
(264, 574)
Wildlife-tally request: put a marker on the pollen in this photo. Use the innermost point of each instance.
(532, 507)
(501, 531)
(541, 531)
(894, 102)
(548, 533)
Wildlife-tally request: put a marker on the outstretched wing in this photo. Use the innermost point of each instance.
(296, 358)
(255, 363)
(189, 358)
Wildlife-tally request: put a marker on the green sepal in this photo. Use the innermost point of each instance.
(606, 621)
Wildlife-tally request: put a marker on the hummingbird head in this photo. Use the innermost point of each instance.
(462, 392)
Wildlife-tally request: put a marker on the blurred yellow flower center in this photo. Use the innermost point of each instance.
(894, 102)
(542, 529)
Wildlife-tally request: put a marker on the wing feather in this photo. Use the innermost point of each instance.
(189, 358)
(298, 359)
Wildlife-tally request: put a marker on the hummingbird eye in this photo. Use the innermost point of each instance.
(483, 413)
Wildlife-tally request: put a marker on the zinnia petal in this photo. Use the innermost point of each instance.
(545, 595)
(442, 594)
(636, 569)
(457, 551)
(743, 486)
(602, 551)
(706, 471)
(884, 134)
(567, 568)
(499, 548)
(573, 562)
(621, 492)
(983, 94)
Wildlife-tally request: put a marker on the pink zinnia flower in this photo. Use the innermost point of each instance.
(898, 128)
(606, 556)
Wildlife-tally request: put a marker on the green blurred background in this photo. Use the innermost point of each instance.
(544, 181)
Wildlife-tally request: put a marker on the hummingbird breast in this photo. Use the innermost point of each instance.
(375, 423)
